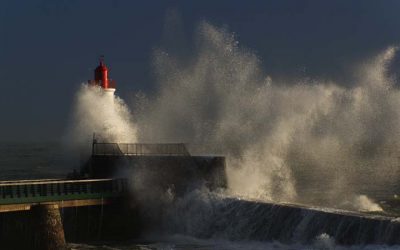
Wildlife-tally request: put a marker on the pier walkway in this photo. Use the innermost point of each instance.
(23, 194)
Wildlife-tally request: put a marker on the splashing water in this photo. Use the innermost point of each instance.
(361, 203)
(314, 141)
(102, 113)
(324, 241)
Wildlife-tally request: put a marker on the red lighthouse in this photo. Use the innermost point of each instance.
(101, 77)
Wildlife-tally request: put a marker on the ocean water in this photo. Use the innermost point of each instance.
(49, 160)
(34, 160)
(178, 242)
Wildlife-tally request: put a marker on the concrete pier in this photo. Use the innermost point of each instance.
(47, 227)
(252, 220)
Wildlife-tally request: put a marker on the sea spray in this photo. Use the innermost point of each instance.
(361, 203)
(101, 113)
(314, 141)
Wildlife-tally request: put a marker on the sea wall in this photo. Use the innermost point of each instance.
(208, 216)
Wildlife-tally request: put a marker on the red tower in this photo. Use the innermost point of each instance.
(101, 77)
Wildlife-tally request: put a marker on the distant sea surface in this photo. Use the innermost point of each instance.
(33, 160)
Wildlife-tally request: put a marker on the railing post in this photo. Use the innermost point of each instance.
(93, 142)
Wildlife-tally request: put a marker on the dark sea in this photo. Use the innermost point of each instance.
(49, 160)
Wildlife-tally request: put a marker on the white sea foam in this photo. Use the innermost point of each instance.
(324, 242)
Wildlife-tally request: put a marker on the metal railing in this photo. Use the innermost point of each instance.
(57, 190)
(161, 149)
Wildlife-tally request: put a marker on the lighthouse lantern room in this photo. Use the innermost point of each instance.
(101, 77)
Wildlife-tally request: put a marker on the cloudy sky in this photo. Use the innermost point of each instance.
(48, 48)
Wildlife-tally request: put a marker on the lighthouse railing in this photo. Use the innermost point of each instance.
(140, 149)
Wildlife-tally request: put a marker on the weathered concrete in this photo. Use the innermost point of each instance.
(47, 228)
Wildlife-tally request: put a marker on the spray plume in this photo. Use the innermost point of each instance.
(102, 113)
(313, 141)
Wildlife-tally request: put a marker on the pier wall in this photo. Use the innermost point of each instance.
(118, 221)
(162, 172)
(28, 229)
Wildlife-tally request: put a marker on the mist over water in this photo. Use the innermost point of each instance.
(310, 142)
